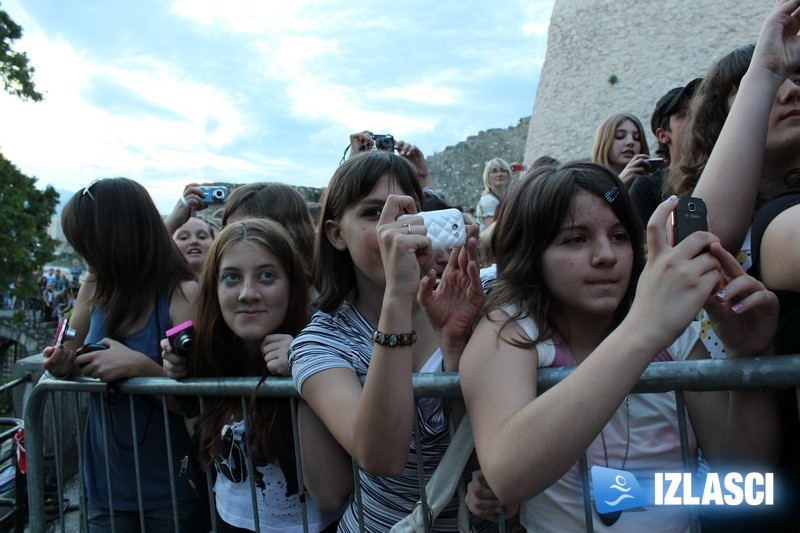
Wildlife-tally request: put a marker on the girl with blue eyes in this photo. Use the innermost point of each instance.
(566, 299)
(380, 319)
(252, 300)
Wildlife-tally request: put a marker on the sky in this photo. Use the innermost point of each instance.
(180, 91)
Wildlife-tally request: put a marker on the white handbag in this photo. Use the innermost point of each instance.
(443, 484)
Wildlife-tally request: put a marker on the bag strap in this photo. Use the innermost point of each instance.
(445, 480)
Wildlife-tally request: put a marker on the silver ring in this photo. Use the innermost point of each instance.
(408, 228)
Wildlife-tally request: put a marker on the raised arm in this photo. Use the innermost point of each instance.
(374, 424)
(730, 182)
(516, 432)
(191, 200)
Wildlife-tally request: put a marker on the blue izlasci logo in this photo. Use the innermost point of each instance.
(616, 490)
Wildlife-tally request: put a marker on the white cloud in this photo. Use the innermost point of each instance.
(315, 71)
(246, 16)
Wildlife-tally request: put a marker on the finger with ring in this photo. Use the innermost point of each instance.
(408, 228)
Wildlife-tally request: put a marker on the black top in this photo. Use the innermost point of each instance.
(647, 192)
(787, 340)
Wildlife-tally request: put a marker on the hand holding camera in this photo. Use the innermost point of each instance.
(176, 348)
(64, 333)
(181, 338)
(445, 227)
(213, 194)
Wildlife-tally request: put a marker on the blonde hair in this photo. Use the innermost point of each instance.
(493, 163)
(604, 138)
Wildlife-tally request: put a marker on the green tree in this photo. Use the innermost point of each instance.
(15, 71)
(25, 214)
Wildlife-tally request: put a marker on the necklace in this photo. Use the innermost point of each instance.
(611, 518)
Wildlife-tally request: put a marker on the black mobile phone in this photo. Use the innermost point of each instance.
(654, 164)
(89, 348)
(688, 217)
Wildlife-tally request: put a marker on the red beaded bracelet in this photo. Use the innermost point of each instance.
(394, 339)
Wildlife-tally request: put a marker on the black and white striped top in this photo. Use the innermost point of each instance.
(343, 339)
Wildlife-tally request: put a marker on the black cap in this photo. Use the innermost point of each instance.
(668, 103)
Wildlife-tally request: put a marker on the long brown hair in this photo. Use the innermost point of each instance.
(707, 114)
(115, 227)
(334, 273)
(534, 213)
(218, 352)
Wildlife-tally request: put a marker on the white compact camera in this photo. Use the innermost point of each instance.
(446, 227)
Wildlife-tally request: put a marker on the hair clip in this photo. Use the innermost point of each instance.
(611, 195)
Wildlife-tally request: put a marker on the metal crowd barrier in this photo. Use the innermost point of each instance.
(774, 372)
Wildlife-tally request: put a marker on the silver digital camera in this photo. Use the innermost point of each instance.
(383, 142)
(214, 194)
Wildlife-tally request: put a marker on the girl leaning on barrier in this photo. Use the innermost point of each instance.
(252, 299)
(138, 287)
(380, 318)
(755, 160)
(566, 299)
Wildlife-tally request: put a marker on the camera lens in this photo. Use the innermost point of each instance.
(218, 194)
(692, 207)
(183, 342)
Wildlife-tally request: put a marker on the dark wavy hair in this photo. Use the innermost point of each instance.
(115, 227)
(334, 273)
(534, 213)
(707, 114)
(218, 352)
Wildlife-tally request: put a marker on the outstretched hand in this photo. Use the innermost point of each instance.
(175, 366)
(636, 167)
(404, 246)
(59, 361)
(676, 281)
(117, 362)
(190, 202)
(778, 46)
(743, 313)
(454, 305)
(414, 155)
(360, 142)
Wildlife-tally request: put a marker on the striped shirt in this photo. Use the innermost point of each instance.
(344, 340)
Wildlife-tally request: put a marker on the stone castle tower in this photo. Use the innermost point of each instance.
(620, 56)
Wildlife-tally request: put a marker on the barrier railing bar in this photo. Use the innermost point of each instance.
(680, 407)
(749, 373)
(84, 517)
(104, 416)
(136, 465)
(57, 420)
(301, 487)
(170, 463)
(423, 495)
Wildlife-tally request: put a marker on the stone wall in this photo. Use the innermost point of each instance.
(458, 170)
(649, 46)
